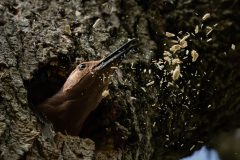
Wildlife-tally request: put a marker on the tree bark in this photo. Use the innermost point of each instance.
(148, 115)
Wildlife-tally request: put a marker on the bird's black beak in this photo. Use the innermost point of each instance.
(115, 57)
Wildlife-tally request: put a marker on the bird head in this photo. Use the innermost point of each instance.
(94, 75)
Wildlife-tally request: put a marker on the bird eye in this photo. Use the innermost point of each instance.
(82, 66)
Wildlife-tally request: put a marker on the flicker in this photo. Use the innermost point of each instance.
(82, 92)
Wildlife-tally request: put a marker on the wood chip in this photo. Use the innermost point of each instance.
(233, 47)
(183, 44)
(206, 16)
(175, 48)
(209, 30)
(194, 55)
(176, 73)
(168, 34)
(176, 61)
(105, 93)
(196, 29)
(150, 83)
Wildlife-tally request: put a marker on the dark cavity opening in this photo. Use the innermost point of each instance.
(48, 80)
(44, 84)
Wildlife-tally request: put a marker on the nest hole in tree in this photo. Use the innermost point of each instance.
(48, 80)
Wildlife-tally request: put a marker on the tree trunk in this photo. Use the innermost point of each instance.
(153, 111)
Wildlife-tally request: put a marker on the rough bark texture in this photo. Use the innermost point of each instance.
(40, 40)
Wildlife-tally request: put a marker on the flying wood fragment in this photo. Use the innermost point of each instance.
(175, 48)
(176, 73)
(196, 29)
(206, 16)
(150, 83)
(168, 34)
(194, 55)
(105, 93)
(176, 61)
